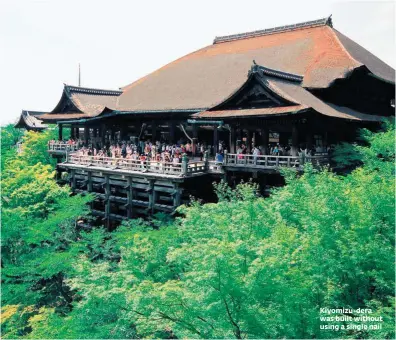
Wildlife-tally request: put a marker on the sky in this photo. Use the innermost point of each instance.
(119, 41)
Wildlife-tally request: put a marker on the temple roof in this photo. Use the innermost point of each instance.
(29, 120)
(82, 102)
(202, 79)
(296, 99)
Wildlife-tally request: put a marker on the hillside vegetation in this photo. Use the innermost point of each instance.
(245, 267)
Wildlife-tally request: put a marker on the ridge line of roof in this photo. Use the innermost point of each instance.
(89, 90)
(280, 29)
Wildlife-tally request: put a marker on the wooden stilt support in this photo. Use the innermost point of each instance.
(107, 200)
(73, 179)
(150, 190)
(129, 197)
(89, 181)
(176, 196)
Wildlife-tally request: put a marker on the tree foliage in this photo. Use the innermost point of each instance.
(245, 267)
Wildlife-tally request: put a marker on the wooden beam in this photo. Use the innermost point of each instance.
(89, 181)
(265, 140)
(215, 140)
(232, 141)
(294, 148)
(248, 141)
(86, 135)
(130, 197)
(73, 179)
(60, 135)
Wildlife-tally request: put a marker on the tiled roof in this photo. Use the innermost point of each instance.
(279, 29)
(313, 50)
(28, 120)
(84, 103)
(292, 92)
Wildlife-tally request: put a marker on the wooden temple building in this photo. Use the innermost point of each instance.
(301, 85)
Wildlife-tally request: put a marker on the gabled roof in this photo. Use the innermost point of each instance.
(288, 87)
(28, 120)
(202, 79)
(82, 102)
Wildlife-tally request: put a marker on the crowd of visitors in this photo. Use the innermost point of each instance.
(172, 153)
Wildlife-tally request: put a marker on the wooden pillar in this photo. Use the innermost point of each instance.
(154, 131)
(239, 136)
(172, 129)
(72, 132)
(129, 197)
(309, 140)
(232, 140)
(60, 135)
(176, 195)
(90, 181)
(325, 139)
(265, 140)
(112, 134)
(195, 139)
(77, 132)
(102, 135)
(86, 135)
(94, 133)
(107, 199)
(73, 179)
(150, 191)
(215, 140)
(294, 148)
(248, 141)
(123, 133)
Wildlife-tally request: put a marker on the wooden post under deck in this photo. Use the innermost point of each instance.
(129, 198)
(73, 180)
(89, 181)
(176, 196)
(107, 199)
(150, 191)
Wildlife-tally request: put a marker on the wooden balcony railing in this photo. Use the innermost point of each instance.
(268, 161)
(62, 147)
(189, 168)
(168, 168)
